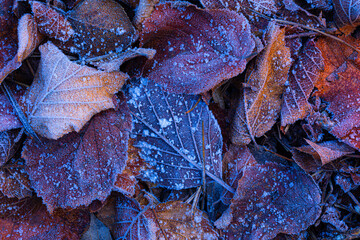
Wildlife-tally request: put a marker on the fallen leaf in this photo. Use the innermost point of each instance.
(175, 135)
(330, 150)
(14, 180)
(50, 22)
(7, 145)
(169, 220)
(196, 50)
(261, 98)
(15, 51)
(86, 163)
(234, 162)
(65, 95)
(271, 199)
(8, 118)
(347, 12)
(29, 219)
(101, 27)
(332, 215)
(132, 221)
(303, 76)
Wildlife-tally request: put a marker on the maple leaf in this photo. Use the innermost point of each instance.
(50, 22)
(65, 95)
(170, 220)
(98, 30)
(14, 180)
(86, 163)
(260, 101)
(16, 47)
(175, 135)
(195, 49)
(271, 199)
(28, 219)
(303, 76)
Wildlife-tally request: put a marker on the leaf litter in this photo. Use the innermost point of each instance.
(285, 69)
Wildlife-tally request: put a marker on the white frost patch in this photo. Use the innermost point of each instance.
(164, 123)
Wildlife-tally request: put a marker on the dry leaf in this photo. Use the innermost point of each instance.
(13, 52)
(8, 118)
(65, 95)
(175, 134)
(196, 49)
(28, 219)
(86, 163)
(271, 199)
(101, 27)
(50, 22)
(303, 76)
(260, 102)
(347, 12)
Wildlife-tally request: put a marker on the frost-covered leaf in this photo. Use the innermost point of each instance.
(8, 118)
(347, 12)
(132, 221)
(175, 135)
(330, 150)
(302, 77)
(235, 160)
(126, 181)
(260, 102)
(195, 49)
(101, 27)
(50, 22)
(271, 199)
(18, 43)
(7, 145)
(80, 167)
(65, 95)
(174, 219)
(28, 219)
(14, 180)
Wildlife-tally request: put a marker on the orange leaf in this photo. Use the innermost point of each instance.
(65, 95)
(260, 102)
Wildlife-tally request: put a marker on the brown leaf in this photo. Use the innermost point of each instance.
(8, 118)
(330, 150)
(169, 220)
(28, 219)
(303, 75)
(260, 102)
(271, 199)
(195, 49)
(234, 162)
(14, 180)
(65, 95)
(50, 22)
(86, 163)
(15, 51)
(101, 27)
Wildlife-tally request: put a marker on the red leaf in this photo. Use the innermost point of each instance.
(86, 163)
(29, 219)
(271, 199)
(195, 49)
(302, 77)
(50, 22)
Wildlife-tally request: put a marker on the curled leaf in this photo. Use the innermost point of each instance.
(195, 49)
